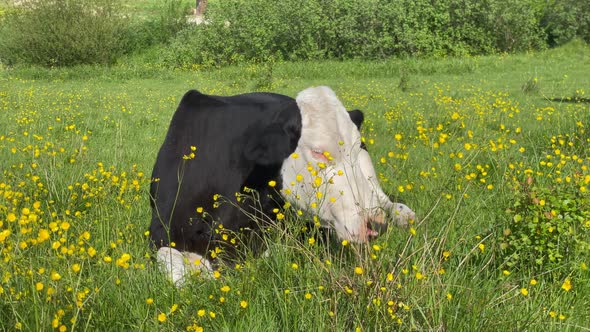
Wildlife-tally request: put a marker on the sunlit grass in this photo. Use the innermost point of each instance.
(457, 144)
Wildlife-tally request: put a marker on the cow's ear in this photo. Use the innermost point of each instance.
(274, 142)
(357, 118)
(270, 147)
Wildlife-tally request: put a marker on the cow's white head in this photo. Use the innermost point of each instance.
(331, 176)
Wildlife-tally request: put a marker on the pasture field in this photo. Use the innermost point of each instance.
(493, 154)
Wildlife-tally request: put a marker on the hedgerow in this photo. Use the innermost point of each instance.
(68, 32)
(338, 29)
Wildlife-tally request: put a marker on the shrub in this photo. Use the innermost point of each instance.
(70, 32)
(62, 32)
(566, 19)
(145, 32)
(515, 25)
(340, 29)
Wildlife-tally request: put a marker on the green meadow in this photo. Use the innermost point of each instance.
(492, 152)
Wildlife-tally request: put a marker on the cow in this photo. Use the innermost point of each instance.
(229, 163)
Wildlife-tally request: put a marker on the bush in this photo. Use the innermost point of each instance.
(73, 32)
(63, 32)
(515, 25)
(146, 32)
(341, 29)
(566, 19)
(70, 32)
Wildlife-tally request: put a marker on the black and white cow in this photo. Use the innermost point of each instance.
(222, 152)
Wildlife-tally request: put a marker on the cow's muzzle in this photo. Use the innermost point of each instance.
(376, 225)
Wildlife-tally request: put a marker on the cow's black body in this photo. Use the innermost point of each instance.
(241, 141)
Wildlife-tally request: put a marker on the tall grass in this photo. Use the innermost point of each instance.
(459, 144)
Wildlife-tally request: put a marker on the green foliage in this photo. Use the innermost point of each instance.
(548, 226)
(68, 32)
(62, 32)
(339, 29)
(157, 30)
(515, 25)
(565, 19)
(72, 32)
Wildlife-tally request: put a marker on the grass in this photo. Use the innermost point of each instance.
(459, 144)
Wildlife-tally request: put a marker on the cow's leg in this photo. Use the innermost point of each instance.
(178, 265)
(198, 264)
(171, 261)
